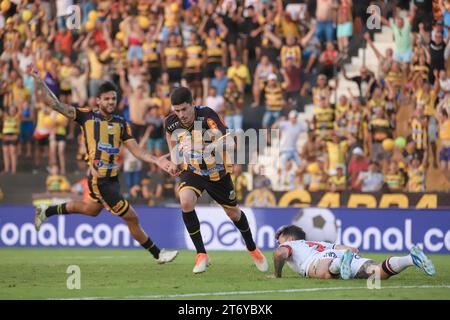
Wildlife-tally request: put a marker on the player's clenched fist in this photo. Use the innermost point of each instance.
(167, 165)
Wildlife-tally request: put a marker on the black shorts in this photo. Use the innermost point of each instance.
(253, 43)
(138, 131)
(155, 73)
(420, 153)
(43, 142)
(60, 137)
(107, 192)
(222, 191)
(231, 38)
(192, 76)
(174, 74)
(11, 140)
(210, 68)
(65, 92)
(426, 18)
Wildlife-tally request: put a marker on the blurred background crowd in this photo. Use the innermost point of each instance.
(260, 64)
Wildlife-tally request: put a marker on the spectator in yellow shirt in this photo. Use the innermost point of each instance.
(239, 73)
(95, 57)
(394, 179)
(317, 176)
(416, 176)
(19, 93)
(337, 181)
(10, 135)
(444, 136)
(58, 140)
(56, 182)
(64, 76)
(336, 151)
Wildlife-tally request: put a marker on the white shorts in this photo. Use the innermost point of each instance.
(356, 264)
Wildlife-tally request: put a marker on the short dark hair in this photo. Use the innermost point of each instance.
(180, 95)
(291, 231)
(106, 86)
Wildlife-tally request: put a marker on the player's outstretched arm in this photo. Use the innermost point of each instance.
(280, 256)
(144, 155)
(342, 247)
(50, 99)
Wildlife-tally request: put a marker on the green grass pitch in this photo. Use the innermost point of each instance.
(133, 274)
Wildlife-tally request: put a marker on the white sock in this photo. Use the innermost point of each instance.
(335, 266)
(398, 264)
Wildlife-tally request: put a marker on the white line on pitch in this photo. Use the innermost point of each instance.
(235, 293)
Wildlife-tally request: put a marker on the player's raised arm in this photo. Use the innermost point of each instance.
(51, 100)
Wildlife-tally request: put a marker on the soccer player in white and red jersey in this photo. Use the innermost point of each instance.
(324, 260)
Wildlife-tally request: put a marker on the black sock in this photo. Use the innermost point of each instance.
(151, 247)
(54, 210)
(244, 228)
(193, 227)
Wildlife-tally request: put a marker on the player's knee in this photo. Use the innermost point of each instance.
(187, 205)
(93, 211)
(233, 213)
(84, 208)
(131, 217)
(278, 254)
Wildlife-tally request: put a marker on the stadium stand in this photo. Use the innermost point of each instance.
(375, 89)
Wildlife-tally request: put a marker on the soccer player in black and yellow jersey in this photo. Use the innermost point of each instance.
(201, 171)
(104, 132)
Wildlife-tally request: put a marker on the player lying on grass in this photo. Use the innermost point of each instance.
(325, 260)
(104, 132)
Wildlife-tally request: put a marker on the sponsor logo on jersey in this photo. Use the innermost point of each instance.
(211, 123)
(119, 205)
(173, 126)
(100, 164)
(106, 147)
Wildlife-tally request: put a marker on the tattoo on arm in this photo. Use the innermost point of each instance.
(148, 157)
(278, 260)
(53, 101)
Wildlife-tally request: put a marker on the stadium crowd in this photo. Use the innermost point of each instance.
(237, 57)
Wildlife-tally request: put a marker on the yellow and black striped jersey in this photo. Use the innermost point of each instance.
(119, 59)
(424, 70)
(150, 52)
(323, 119)
(394, 181)
(291, 52)
(274, 97)
(419, 133)
(194, 56)
(212, 166)
(11, 124)
(234, 100)
(174, 57)
(103, 138)
(214, 51)
(380, 128)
